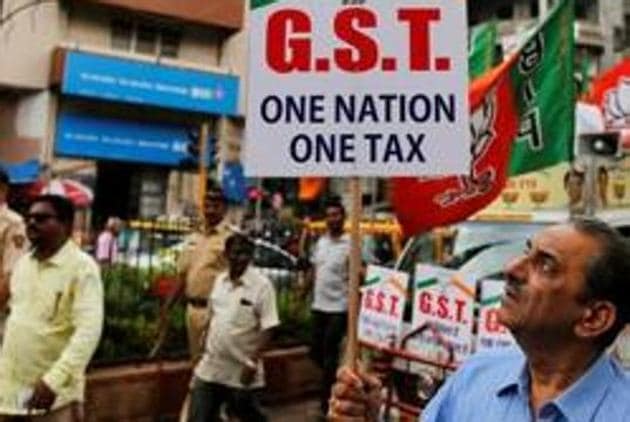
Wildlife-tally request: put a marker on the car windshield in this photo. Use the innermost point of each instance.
(471, 239)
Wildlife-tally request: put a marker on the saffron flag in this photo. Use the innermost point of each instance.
(610, 91)
(522, 120)
(310, 188)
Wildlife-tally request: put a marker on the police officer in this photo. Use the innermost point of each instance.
(201, 260)
(13, 243)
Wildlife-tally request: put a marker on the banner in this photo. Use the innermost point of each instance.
(375, 89)
(444, 300)
(382, 305)
(490, 333)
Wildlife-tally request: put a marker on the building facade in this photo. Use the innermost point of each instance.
(114, 92)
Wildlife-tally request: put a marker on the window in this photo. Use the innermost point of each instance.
(533, 8)
(122, 31)
(145, 38)
(506, 12)
(170, 41)
(627, 30)
(586, 10)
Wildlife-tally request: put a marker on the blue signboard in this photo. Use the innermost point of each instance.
(122, 140)
(25, 172)
(115, 79)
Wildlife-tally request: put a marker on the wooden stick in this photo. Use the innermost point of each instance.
(352, 352)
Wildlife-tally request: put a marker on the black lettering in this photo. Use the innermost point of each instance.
(345, 108)
(271, 109)
(415, 153)
(301, 148)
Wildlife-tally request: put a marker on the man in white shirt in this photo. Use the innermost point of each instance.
(330, 260)
(242, 311)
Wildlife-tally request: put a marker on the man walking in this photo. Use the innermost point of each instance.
(13, 243)
(242, 311)
(330, 260)
(199, 264)
(565, 302)
(55, 324)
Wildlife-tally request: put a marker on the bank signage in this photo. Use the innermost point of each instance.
(92, 137)
(115, 79)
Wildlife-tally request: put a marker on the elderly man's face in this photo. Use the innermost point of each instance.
(545, 288)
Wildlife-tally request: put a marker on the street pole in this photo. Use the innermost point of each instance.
(590, 194)
(203, 163)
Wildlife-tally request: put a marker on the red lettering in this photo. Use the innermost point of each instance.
(365, 47)
(419, 35)
(380, 302)
(442, 311)
(286, 54)
(368, 301)
(459, 313)
(393, 308)
(425, 302)
(492, 321)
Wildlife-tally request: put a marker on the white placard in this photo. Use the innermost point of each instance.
(357, 88)
(490, 333)
(444, 299)
(382, 306)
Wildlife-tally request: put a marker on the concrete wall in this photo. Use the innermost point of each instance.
(89, 28)
(610, 17)
(27, 39)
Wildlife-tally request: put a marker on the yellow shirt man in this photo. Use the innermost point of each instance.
(200, 263)
(53, 329)
(13, 245)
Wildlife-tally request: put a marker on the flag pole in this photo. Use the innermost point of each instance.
(352, 351)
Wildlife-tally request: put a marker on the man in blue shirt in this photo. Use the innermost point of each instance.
(565, 302)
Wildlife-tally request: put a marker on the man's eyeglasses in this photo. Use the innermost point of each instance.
(39, 217)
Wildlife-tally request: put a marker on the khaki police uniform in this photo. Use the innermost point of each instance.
(201, 261)
(13, 245)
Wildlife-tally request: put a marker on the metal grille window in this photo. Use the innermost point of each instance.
(146, 39)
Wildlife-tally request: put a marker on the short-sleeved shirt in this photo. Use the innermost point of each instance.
(13, 242)
(239, 315)
(202, 260)
(53, 329)
(331, 260)
(494, 387)
(107, 247)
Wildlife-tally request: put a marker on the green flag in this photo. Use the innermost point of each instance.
(543, 80)
(483, 53)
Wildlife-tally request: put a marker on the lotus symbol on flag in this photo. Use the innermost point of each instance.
(481, 123)
(617, 105)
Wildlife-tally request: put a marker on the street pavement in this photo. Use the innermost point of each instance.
(305, 410)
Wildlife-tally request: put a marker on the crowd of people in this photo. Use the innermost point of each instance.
(565, 303)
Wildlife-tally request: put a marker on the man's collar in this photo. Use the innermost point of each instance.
(60, 256)
(580, 400)
(517, 381)
(219, 228)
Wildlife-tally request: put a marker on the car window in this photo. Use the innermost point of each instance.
(490, 262)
